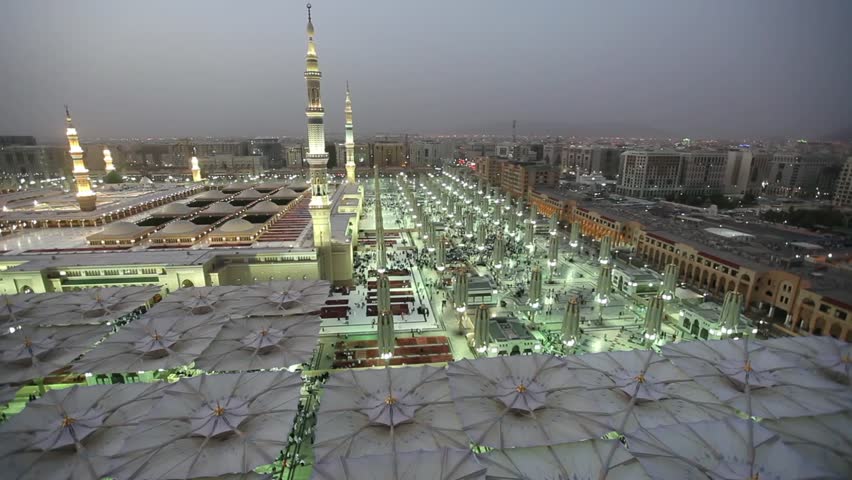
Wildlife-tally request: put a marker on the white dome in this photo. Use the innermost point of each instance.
(176, 208)
(237, 225)
(178, 227)
(211, 195)
(250, 193)
(121, 228)
(285, 193)
(221, 207)
(266, 206)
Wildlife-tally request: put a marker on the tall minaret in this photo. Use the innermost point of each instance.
(317, 158)
(350, 140)
(108, 166)
(194, 168)
(86, 198)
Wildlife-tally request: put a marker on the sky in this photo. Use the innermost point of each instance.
(698, 68)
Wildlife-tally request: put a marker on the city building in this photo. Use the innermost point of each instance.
(702, 173)
(646, 174)
(270, 149)
(843, 191)
(231, 165)
(388, 154)
(32, 162)
(518, 178)
(792, 174)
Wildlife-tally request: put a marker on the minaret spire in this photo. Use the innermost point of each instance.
(194, 168)
(86, 198)
(350, 139)
(108, 166)
(317, 157)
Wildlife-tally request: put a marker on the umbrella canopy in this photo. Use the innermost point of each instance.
(255, 343)
(89, 306)
(730, 317)
(219, 300)
(445, 464)
(394, 410)
(581, 460)
(151, 343)
(70, 434)
(828, 355)
(825, 439)
(211, 425)
(726, 449)
(527, 401)
(289, 297)
(648, 390)
(752, 379)
(36, 352)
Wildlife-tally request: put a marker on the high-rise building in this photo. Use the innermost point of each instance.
(319, 206)
(518, 178)
(792, 174)
(429, 153)
(577, 159)
(702, 173)
(388, 154)
(647, 174)
(843, 189)
(270, 149)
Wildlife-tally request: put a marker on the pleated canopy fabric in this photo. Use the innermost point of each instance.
(828, 355)
(70, 434)
(648, 390)
(36, 352)
(444, 464)
(393, 410)
(151, 343)
(824, 439)
(725, 449)
(211, 425)
(254, 343)
(220, 301)
(592, 460)
(291, 297)
(529, 401)
(294, 297)
(748, 376)
(84, 307)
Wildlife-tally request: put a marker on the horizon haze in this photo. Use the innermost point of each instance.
(719, 68)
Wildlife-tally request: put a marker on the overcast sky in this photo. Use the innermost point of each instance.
(207, 67)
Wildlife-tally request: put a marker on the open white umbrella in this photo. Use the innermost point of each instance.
(726, 450)
(444, 464)
(393, 410)
(151, 343)
(254, 343)
(84, 307)
(295, 297)
(828, 355)
(824, 439)
(527, 401)
(582, 460)
(749, 377)
(36, 352)
(211, 425)
(648, 390)
(70, 434)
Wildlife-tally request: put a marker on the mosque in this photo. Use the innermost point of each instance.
(193, 234)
